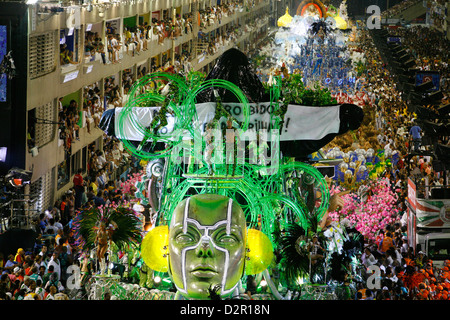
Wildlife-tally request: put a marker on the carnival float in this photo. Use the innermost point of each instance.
(233, 189)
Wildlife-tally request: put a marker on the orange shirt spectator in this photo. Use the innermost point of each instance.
(387, 243)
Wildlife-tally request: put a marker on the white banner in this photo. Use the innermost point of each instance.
(300, 122)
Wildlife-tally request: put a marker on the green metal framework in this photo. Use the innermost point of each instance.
(266, 199)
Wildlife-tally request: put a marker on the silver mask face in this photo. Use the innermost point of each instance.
(207, 245)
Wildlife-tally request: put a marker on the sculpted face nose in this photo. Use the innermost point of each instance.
(205, 249)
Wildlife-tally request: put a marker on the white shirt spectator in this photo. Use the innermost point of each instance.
(56, 265)
(101, 161)
(58, 225)
(368, 260)
(51, 229)
(116, 154)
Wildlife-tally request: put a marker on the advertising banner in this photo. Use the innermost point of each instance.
(433, 213)
(425, 76)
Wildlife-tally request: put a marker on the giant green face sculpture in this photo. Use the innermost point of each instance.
(207, 239)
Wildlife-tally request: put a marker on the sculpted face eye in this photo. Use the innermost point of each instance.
(224, 239)
(186, 238)
(228, 239)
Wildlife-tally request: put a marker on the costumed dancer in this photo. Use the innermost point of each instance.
(318, 63)
(160, 120)
(321, 35)
(95, 229)
(231, 143)
(103, 238)
(209, 148)
(86, 270)
(145, 276)
(315, 249)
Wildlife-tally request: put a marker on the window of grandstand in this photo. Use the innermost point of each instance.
(69, 119)
(42, 189)
(113, 92)
(92, 106)
(41, 125)
(94, 46)
(141, 69)
(41, 54)
(63, 173)
(113, 41)
(69, 51)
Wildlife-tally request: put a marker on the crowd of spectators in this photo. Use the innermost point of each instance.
(399, 8)
(406, 274)
(127, 80)
(170, 27)
(438, 13)
(105, 166)
(40, 272)
(113, 44)
(135, 39)
(112, 92)
(430, 49)
(66, 56)
(93, 45)
(388, 121)
(141, 71)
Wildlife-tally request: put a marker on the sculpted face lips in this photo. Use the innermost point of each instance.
(204, 271)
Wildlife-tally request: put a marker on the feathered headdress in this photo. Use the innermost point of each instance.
(294, 260)
(315, 27)
(122, 223)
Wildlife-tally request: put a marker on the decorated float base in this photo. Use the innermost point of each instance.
(111, 284)
(317, 292)
(118, 290)
(102, 284)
